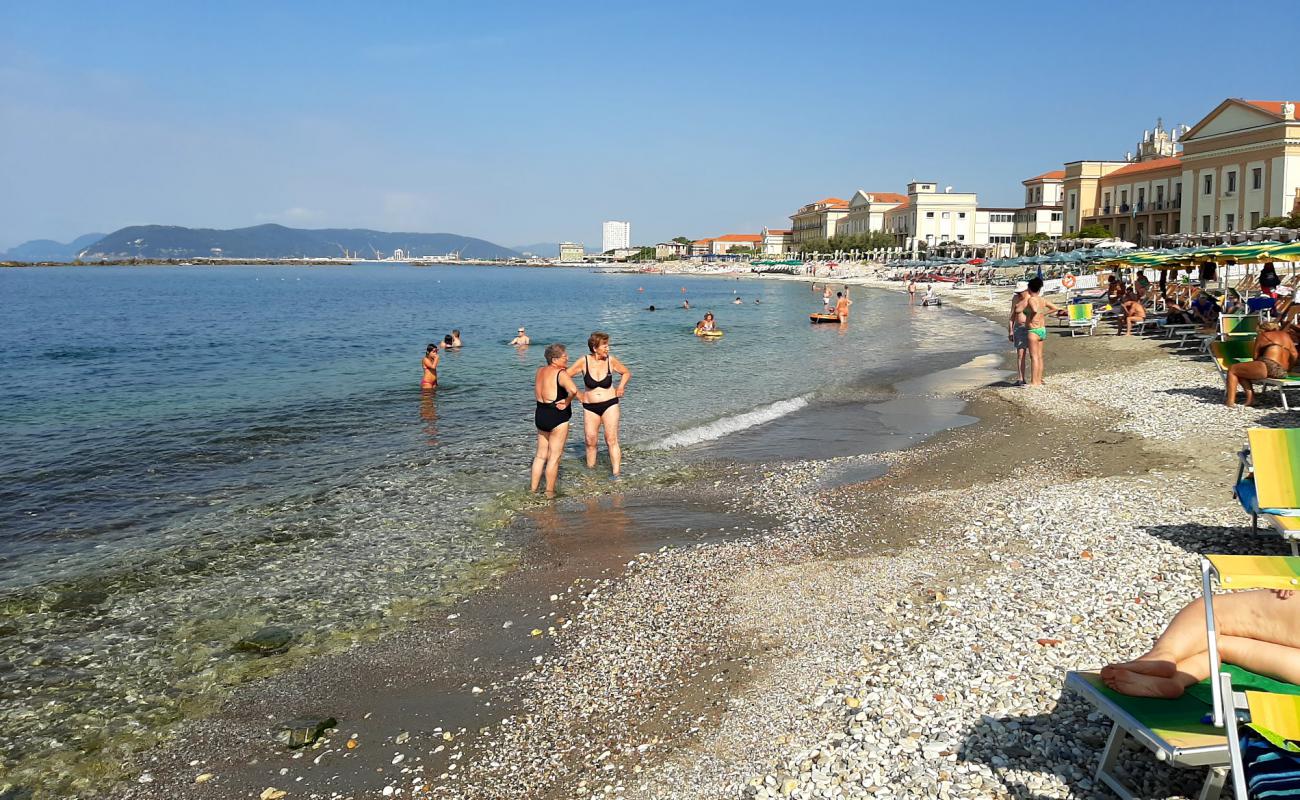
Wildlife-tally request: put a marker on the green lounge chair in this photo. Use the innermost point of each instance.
(1268, 481)
(1231, 351)
(1235, 326)
(1081, 317)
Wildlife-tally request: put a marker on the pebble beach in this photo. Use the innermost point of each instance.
(907, 636)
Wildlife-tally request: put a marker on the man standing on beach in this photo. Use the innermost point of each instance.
(1018, 335)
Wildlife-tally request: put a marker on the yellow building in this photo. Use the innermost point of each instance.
(867, 212)
(815, 222)
(1238, 165)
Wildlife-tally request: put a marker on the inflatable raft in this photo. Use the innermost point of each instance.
(714, 334)
(816, 318)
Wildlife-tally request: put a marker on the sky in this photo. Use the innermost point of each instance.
(533, 122)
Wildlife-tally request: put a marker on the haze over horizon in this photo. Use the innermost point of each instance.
(522, 123)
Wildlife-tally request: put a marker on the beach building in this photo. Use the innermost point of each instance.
(669, 250)
(815, 222)
(572, 251)
(615, 235)
(777, 242)
(1237, 166)
(996, 226)
(1042, 212)
(867, 212)
(930, 217)
(701, 247)
(736, 241)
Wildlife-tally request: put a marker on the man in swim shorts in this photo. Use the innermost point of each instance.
(522, 339)
(1018, 335)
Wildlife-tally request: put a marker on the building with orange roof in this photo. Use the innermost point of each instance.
(1042, 212)
(777, 242)
(815, 222)
(867, 212)
(1237, 166)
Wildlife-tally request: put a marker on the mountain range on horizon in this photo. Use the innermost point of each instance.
(259, 241)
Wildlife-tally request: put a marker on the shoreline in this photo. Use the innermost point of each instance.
(751, 617)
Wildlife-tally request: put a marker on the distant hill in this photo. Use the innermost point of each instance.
(277, 241)
(50, 250)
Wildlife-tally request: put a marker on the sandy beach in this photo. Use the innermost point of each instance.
(904, 635)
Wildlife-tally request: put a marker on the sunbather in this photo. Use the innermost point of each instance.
(1133, 311)
(1275, 352)
(1257, 630)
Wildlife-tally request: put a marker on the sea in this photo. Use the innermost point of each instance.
(190, 454)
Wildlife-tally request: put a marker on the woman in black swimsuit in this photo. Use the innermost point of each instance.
(601, 404)
(554, 391)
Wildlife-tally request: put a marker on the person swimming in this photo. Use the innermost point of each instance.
(601, 408)
(551, 417)
(708, 323)
(430, 364)
(737, 301)
(455, 338)
(686, 304)
(521, 340)
(651, 308)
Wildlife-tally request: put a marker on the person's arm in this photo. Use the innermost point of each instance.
(568, 383)
(577, 368)
(620, 368)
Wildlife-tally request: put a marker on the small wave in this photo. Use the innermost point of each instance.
(729, 425)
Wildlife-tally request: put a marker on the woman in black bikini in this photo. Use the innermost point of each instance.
(554, 391)
(601, 404)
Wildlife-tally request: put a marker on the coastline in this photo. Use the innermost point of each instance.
(740, 666)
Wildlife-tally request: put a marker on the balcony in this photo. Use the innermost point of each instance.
(1127, 209)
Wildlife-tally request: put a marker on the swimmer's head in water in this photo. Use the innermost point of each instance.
(554, 352)
(709, 316)
(447, 339)
(430, 347)
(455, 332)
(596, 339)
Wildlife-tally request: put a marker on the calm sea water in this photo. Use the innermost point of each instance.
(191, 453)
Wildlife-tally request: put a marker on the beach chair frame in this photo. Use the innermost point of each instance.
(1124, 726)
(1088, 323)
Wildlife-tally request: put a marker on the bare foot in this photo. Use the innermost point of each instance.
(1136, 684)
(1157, 667)
(550, 495)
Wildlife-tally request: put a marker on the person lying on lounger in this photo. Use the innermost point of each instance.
(1257, 630)
(1275, 353)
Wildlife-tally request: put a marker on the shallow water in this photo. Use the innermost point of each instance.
(192, 453)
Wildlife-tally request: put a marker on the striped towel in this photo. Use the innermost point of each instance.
(1271, 773)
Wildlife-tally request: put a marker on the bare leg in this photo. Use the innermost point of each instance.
(590, 428)
(1021, 354)
(1241, 375)
(610, 420)
(1258, 630)
(554, 450)
(539, 462)
(1036, 353)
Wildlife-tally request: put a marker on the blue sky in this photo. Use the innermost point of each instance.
(528, 122)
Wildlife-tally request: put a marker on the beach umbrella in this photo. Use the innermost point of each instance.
(1286, 252)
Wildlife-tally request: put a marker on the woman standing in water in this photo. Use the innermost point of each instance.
(430, 364)
(600, 408)
(554, 391)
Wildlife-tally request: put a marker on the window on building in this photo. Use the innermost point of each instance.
(1038, 195)
(1123, 197)
(1142, 195)
(961, 237)
(929, 215)
(1254, 220)
(1160, 195)
(1106, 202)
(1257, 178)
(1178, 225)
(961, 215)
(1232, 182)
(1029, 195)
(947, 214)
(1205, 224)
(1123, 230)
(1074, 201)
(1231, 222)
(1208, 187)
(1056, 216)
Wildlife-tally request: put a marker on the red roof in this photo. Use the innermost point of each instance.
(887, 197)
(1054, 175)
(1147, 166)
(901, 206)
(779, 233)
(739, 237)
(701, 241)
(1273, 107)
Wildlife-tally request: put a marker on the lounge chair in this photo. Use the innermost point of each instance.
(1231, 351)
(1268, 481)
(1269, 712)
(1237, 326)
(1081, 318)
